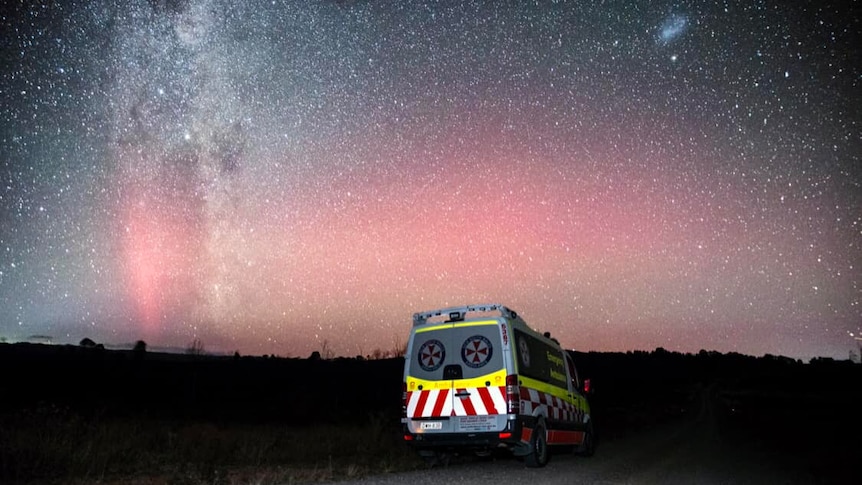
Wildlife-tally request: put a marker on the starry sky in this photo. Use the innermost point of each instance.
(273, 177)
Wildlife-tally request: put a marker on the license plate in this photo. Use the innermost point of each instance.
(432, 425)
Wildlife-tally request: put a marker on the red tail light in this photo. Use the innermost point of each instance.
(505, 435)
(513, 394)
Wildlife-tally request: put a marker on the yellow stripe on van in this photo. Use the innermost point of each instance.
(431, 329)
(475, 324)
(540, 386)
(493, 379)
(457, 325)
(413, 384)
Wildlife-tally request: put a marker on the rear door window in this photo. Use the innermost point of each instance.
(462, 350)
(432, 349)
(477, 348)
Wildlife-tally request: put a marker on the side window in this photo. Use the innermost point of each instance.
(540, 361)
(573, 373)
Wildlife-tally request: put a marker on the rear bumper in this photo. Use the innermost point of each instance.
(509, 437)
(457, 440)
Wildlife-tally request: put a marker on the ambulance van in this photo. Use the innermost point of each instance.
(477, 378)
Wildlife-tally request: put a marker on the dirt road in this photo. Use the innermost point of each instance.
(689, 450)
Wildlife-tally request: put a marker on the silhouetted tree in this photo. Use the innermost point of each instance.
(88, 343)
(140, 347)
(325, 351)
(196, 347)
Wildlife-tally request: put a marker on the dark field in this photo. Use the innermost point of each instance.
(74, 414)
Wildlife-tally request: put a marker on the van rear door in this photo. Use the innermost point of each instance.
(457, 376)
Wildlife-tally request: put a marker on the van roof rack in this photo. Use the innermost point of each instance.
(457, 313)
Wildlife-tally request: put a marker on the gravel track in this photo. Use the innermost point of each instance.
(687, 451)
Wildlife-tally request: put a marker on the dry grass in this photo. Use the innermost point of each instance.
(52, 445)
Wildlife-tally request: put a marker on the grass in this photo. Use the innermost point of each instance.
(50, 444)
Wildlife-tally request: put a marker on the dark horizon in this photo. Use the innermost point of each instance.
(193, 351)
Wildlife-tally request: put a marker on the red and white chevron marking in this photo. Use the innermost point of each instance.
(472, 401)
(531, 400)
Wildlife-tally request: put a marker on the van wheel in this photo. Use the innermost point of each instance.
(588, 447)
(538, 456)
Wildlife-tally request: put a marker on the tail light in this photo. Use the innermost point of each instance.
(513, 394)
(403, 399)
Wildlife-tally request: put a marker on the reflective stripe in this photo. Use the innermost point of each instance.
(416, 400)
(487, 401)
(496, 378)
(474, 401)
(463, 406)
(526, 434)
(476, 324)
(456, 325)
(563, 437)
(442, 398)
(537, 402)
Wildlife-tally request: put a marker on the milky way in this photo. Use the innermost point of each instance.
(270, 177)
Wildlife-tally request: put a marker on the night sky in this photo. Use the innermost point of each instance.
(271, 176)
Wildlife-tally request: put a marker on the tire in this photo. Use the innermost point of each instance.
(539, 452)
(588, 447)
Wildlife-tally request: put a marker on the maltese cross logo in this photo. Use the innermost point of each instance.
(476, 351)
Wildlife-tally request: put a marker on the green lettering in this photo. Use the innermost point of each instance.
(558, 376)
